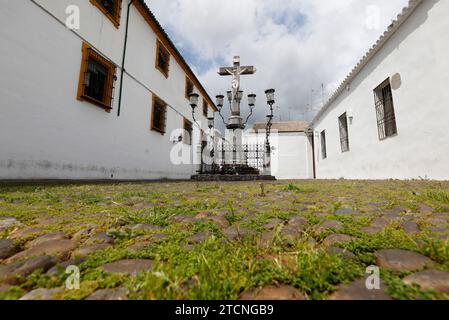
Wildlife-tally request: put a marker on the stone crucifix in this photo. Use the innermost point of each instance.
(235, 121)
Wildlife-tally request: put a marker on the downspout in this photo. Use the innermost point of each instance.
(123, 60)
(313, 156)
(311, 134)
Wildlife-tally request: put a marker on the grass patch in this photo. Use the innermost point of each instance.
(441, 196)
(296, 188)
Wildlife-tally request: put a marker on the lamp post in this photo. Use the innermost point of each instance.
(210, 124)
(220, 103)
(270, 101)
(194, 97)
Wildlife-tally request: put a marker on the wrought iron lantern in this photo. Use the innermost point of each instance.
(220, 102)
(229, 94)
(210, 122)
(194, 97)
(252, 100)
(270, 96)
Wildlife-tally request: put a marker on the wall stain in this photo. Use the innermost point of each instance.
(41, 166)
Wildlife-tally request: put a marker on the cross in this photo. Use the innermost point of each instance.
(236, 71)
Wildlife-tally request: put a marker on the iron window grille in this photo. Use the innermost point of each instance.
(323, 145)
(189, 87)
(111, 8)
(162, 59)
(159, 115)
(97, 79)
(386, 118)
(344, 136)
(188, 131)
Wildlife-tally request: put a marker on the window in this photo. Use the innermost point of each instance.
(323, 145)
(386, 119)
(111, 8)
(97, 79)
(158, 116)
(344, 137)
(189, 87)
(188, 131)
(205, 108)
(162, 59)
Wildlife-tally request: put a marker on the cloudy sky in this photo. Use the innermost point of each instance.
(297, 46)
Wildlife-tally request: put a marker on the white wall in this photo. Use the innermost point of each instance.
(418, 51)
(290, 156)
(46, 133)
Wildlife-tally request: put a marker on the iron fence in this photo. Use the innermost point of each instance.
(229, 159)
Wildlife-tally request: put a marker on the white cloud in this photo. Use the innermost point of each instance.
(296, 45)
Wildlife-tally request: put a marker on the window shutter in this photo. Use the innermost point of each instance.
(168, 63)
(164, 118)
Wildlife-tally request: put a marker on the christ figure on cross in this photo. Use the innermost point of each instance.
(236, 71)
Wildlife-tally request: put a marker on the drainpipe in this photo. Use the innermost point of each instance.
(311, 133)
(313, 156)
(123, 61)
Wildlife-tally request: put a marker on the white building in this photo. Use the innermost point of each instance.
(291, 156)
(61, 92)
(389, 118)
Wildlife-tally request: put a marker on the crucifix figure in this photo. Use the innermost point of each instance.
(235, 122)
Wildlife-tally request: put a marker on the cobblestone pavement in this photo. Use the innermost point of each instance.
(298, 240)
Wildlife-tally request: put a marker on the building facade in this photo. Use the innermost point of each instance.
(80, 104)
(389, 118)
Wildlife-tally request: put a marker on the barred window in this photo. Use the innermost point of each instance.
(386, 119)
(162, 59)
(188, 131)
(97, 79)
(344, 136)
(323, 145)
(159, 114)
(189, 87)
(111, 8)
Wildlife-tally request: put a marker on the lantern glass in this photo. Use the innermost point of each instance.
(270, 96)
(220, 101)
(194, 99)
(210, 122)
(229, 93)
(252, 100)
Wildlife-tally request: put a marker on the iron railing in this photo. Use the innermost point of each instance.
(229, 159)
